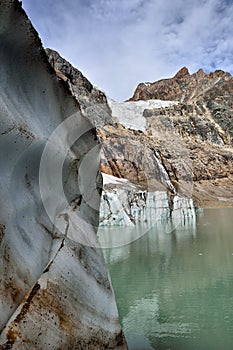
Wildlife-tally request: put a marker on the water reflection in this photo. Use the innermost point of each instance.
(174, 290)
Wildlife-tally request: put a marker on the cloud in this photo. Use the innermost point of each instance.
(118, 44)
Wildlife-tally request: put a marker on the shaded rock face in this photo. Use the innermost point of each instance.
(206, 148)
(55, 290)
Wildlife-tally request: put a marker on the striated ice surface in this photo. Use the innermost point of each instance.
(55, 291)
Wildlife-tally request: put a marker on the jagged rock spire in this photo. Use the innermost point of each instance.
(182, 73)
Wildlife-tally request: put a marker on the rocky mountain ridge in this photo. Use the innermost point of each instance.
(184, 87)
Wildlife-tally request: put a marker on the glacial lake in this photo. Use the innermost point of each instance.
(174, 290)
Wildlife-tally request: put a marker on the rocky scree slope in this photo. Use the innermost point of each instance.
(186, 147)
(55, 291)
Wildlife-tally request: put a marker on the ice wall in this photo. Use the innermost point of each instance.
(55, 291)
(124, 204)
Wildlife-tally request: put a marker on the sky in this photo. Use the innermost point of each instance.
(117, 44)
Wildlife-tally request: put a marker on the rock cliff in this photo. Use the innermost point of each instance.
(55, 291)
(203, 121)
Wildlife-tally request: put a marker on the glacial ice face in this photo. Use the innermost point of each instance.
(126, 208)
(55, 290)
(124, 204)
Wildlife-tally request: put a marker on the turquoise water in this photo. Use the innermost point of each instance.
(175, 290)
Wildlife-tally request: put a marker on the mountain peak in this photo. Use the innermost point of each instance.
(182, 72)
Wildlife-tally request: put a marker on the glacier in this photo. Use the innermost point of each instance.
(130, 113)
(55, 290)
